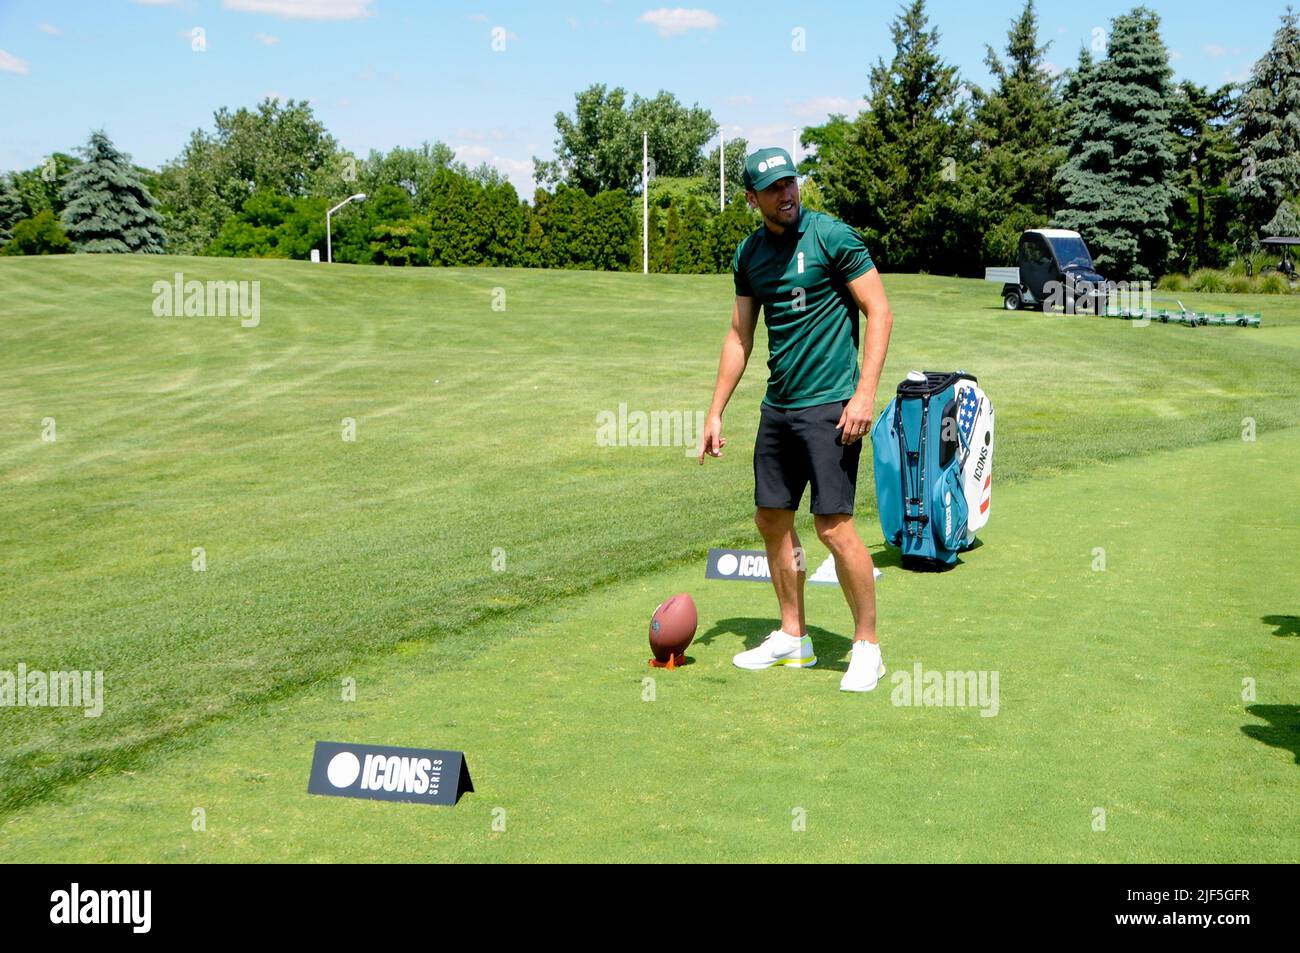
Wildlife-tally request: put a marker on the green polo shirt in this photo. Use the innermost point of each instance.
(801, 279)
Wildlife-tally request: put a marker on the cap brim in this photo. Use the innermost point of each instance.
(765, 179)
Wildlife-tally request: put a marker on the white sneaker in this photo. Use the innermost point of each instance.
(779, 648)
(865, 667)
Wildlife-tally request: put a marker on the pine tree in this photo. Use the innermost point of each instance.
(673, 237)
(1286, 222)
(728, 229)
(11, 209)
(1074, 81)
(1018, 126)
(1268, 129)
(1203, 154)
(108, 208)
(897, 172)
(1117, 183)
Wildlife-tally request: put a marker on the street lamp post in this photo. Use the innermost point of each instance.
(329, 245)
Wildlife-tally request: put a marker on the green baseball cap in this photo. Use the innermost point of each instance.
(766, 166)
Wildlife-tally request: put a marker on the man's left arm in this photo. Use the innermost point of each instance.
(869, 293)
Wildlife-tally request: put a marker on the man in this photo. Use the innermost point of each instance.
(812, 275)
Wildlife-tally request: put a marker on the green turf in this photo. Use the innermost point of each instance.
(373, 559)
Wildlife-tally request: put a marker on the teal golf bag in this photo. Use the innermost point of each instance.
(933, 450)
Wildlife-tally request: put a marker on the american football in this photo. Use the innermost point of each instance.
(672, 627)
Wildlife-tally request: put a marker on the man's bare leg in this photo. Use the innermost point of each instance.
(855, 569)
(777, 527)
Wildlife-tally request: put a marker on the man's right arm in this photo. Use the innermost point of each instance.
(731, 366)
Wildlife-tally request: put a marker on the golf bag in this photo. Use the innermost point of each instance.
(933, 449)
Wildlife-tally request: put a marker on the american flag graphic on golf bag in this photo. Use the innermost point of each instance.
(975, 440)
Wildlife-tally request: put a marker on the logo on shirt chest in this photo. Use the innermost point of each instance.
(789, 288)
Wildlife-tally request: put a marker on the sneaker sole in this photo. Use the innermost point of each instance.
(791, 663)
(879, 675)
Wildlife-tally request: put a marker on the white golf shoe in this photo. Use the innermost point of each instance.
(865, 667)
(779, 648)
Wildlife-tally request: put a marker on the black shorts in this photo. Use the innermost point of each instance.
(794, 447)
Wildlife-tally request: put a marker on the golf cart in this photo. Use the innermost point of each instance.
(1054, 266)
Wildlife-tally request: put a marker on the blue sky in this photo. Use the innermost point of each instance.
(382, 73)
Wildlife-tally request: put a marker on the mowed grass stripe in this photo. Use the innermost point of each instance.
(476, 432)
(1120, 689)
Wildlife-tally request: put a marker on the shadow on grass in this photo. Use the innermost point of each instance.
(884, 558)
(889, 556)
(831, 646)
(1282, 730)
(1286, 624)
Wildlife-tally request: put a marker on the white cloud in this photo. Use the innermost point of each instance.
(1214, 49)
(49, 28)
(305, 9)
(820, 106)
(1175, 55)
(1050, 68)
(159, 3)
(744, 100)
(772, 134)
(12, 64)
(266, 39)
(678, 20)
(477, 17)
(518, 171)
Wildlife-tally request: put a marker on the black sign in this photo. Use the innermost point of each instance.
(750, 565)
(385, 773)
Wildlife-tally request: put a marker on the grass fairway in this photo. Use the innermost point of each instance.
(476, 433)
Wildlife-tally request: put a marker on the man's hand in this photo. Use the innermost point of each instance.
(855, 421)
(713, 441)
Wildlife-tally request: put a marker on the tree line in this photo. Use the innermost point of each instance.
(938, 173)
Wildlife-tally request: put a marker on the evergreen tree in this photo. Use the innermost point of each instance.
(456, 214)
(1073, 83)
(1018, 126)
(107, 208)
(1203, 154)
(1268, 129)
(537, 239)
(503, 224)
(1117, 183)
(691, 252)
(673, 237)
(11, 209)
(1286, 222)
(897, 174)
(570, 244)
(611, 228)
(728, 229)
